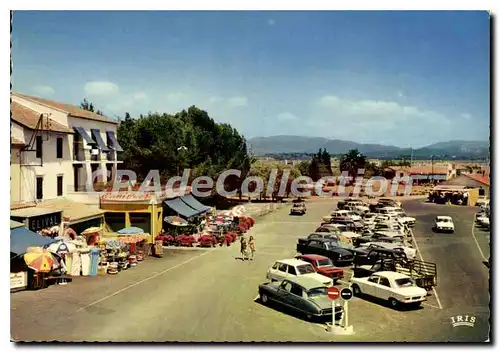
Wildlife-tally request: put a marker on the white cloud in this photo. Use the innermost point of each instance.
(466, 116)
(286, 116)
(237, 101)
(401, 94)
(176, 97)
(43, 90)
(101, 88)
(370, 120)
(214, 99)
(140, 96)
(271, 22)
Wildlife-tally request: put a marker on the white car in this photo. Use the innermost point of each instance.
(444, 224)
(347, 214)
(291, 268)
(483, 220)
(398, 289)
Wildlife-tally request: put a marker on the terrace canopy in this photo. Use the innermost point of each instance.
(21, 238)
(182, 208)
(193, 203)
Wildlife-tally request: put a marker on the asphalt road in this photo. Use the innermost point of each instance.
(209, 295)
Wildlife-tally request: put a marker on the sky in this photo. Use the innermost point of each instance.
(407, 79)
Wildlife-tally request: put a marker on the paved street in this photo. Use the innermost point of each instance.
(208, 295)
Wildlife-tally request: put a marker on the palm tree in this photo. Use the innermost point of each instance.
(352, 161)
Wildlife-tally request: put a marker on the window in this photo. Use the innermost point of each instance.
(296, 290)
(39, 187)
(282, 267)
(39, 143)
(142, 221)
(275, 266)
(59, 186)
(317, 292)
(116, 221)
(373, 279)
(384, 282)
(59, 147)
(305, 269)
(287, 286)
(291, 270)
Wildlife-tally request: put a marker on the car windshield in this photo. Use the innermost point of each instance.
(406, 282)
(444, 220)
(317, 292)
(324, 262)
(305, 269)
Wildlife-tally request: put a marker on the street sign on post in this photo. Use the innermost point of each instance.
(333, 293)
(346, 294)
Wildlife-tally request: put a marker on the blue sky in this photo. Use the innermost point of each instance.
(399, 78)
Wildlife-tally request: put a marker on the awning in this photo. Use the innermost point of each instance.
(181, 208)
(193, 203)
(21, 238)
(114, 143)
(84, 135)
(97, 135)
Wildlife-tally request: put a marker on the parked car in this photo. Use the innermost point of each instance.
(373, 253)
(444, 224)
(410, 252)
(323, 266)
(314, 235)
(390, 201)
(483, 220)
(301, 294)
(346, 214)
(398, 289)
(371, 236)
(291, 268)
(298, 209)
(326, 248)
(424, 273)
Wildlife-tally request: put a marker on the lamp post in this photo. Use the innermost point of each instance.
(181, 148)
(432, 168)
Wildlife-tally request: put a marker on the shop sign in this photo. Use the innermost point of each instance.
(41, 222)
(18, 280)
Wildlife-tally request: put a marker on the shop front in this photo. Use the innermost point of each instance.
(41, 220)
(133, 209)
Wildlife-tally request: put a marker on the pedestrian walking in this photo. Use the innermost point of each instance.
(251, 244)
(243, 243)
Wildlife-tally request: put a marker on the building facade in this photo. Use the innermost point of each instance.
(57, 149)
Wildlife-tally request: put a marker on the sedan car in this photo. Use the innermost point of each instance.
(301, 294)
(396, 288)
(292, 268)
(444, 224)
(323, 266)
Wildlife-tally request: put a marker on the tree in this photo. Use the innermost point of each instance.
(352, 161)
(85, 105)
(320, 165)
(304, 167)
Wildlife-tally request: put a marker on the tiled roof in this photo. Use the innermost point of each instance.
(15, 141)
(485, 180)
(29, 118)
(70, 109)
(422, 169)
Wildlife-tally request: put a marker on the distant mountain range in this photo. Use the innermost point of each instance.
(286, 144)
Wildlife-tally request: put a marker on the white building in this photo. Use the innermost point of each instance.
(56, 147)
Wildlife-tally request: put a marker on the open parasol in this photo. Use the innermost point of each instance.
(130, 231)
(39, 259)
(92, 230)
(176, 221)
(61, 247)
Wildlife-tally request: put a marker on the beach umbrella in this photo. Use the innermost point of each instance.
(39, 259)
(92, 230)
(61, 247)
(176, 220)
(130, 231)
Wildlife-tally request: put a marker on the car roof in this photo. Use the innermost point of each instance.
(391, 275)
(292, 261)
(323, 239)
(306, 282)
(443, 217)
(312, 256)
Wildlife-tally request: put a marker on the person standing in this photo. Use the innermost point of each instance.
(251, 244)
(243, 249)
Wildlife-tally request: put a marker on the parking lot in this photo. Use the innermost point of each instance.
(211, 295)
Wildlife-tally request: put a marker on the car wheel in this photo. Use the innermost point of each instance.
(263, 298)
(356, 290)
(393, 302)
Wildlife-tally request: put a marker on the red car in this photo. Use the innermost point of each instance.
(323, 266)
